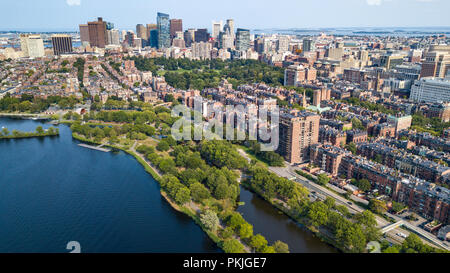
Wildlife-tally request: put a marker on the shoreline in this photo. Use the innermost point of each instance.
(304, 225)
(150, 170)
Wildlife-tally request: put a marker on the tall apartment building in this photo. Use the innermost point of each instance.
(309, 45)
(176, 25)
(283, 44)
(293, 75)
(431, 90)
(229, 27)
(163, 25)
(113, 37)
(201, 50)
(141, 32)
(216, 29)
(297, 74)
(84, 33)
(62, 44)
(189, 37)
(201, 35)
(297, 133)
(437, 62)
(97, 33)
(32, 45)
(226, 41)
(242, 39)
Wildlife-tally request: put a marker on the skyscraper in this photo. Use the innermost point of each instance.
(216, 29)
(153, 38)
(163, 25)
(242, 39)
(297, 133)
(189, 37)
(176, 25)
(97, 33)
(129, 38)
(62, 44)
(201, 35)
(84, 33)
(437, 62)
(229, 27)
(308, 45)
(32, 45)
(141, 32)
(113, 37)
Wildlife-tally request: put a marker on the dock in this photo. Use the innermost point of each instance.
(97, 148)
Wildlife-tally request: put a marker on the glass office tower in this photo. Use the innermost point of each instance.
(163, 24)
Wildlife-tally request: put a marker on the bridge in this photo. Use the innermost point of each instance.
(392, 227)
(98, 148)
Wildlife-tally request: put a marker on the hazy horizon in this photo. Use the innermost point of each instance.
(66, 15)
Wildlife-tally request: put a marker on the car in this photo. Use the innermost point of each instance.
(350, 203)
(400, 234)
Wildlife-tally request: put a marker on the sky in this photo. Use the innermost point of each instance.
(66, 15)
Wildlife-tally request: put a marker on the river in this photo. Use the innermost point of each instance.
(52, 191)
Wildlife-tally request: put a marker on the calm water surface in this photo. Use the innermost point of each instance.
(52, 191)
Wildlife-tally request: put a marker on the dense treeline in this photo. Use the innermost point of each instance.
(199, 74)
(350, 233)
(193, 172)
(30, 104)
(270, 157)
(433, 126)
(39, 132)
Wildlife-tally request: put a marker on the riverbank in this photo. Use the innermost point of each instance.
(157, 176)
(318, 233)
(40, 133)
(30, 135)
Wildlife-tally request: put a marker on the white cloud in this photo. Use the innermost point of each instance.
(374, 2)
(73, 2)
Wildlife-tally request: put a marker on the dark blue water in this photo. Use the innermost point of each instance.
(274, 225)
(52, 191)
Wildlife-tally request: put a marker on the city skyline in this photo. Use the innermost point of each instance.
(65, 15)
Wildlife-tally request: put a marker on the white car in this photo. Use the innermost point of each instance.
(403, 235)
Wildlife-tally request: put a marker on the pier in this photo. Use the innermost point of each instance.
(97, 148)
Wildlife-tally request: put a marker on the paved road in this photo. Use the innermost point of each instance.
(289, 173)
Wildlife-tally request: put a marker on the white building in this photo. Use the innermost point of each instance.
(216, 29)
(431, 90)
(32, 45)
(201, 50)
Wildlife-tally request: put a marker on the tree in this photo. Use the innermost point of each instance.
(258, 242)
(162, 146)
(351, 147)
(210, 220)
(364, 185)
(245, 231)
(318, 214)
(235, 220)
(357, 124)
(377, 206)
(233, 246)
(183, 196)
(397, 207)
(330, 202)
(39, 130)
(281, 247)
(199, 192)
(323, 179)
(5, 131)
